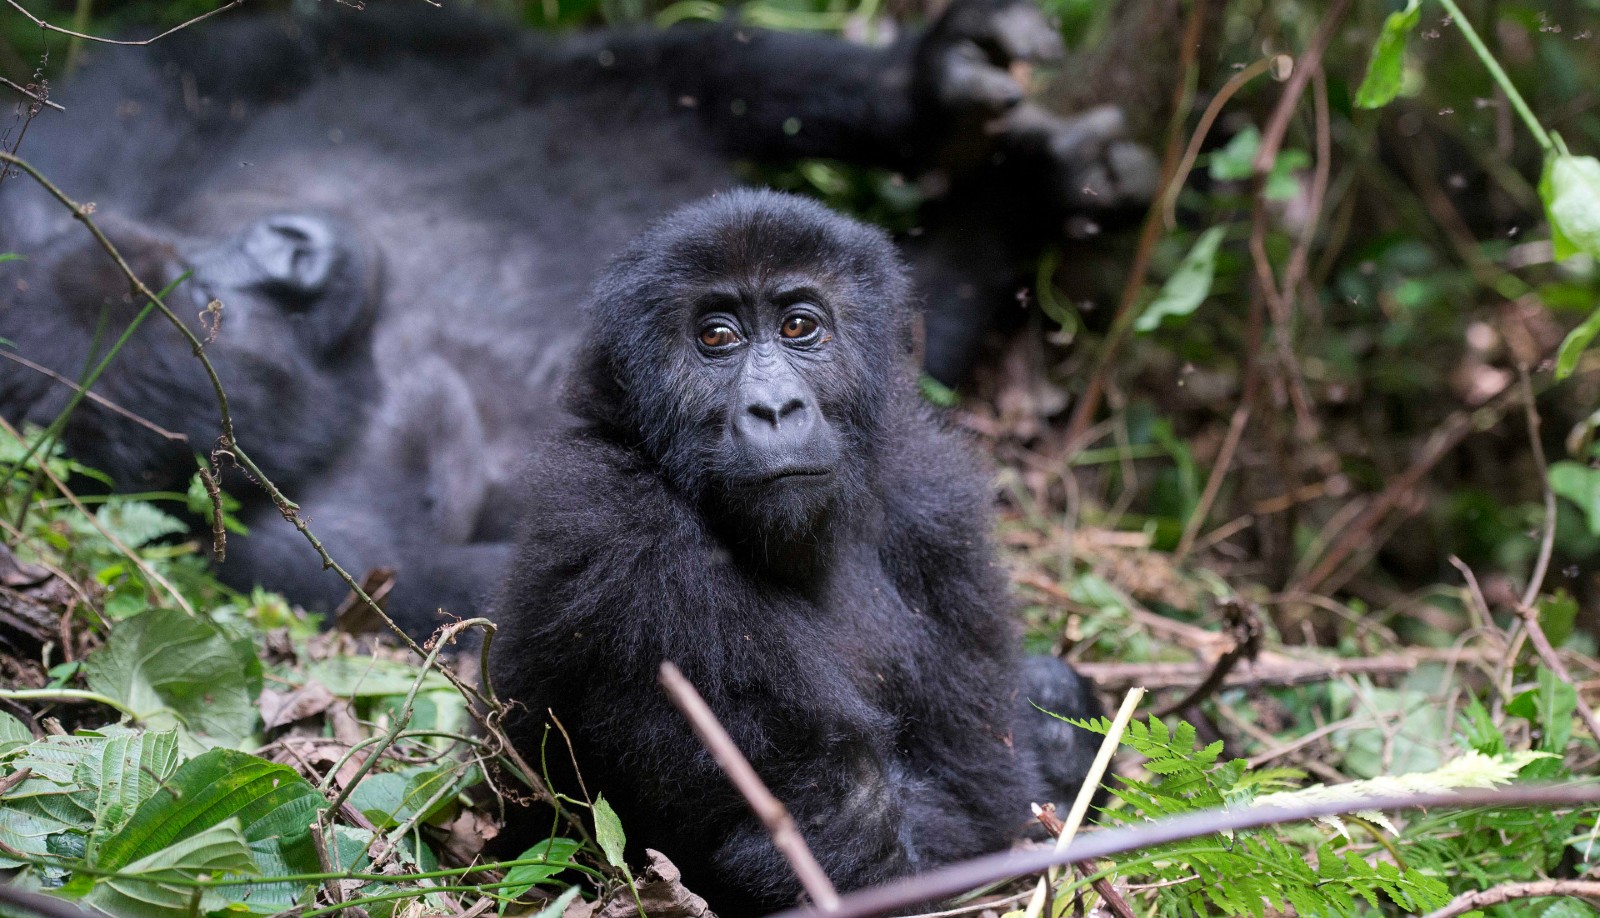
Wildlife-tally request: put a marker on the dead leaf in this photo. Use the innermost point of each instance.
(466, 836)
(661, 892)
(279, 708)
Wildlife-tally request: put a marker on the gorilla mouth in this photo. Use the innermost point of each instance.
(799, 476)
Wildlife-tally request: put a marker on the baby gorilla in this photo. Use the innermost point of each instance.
(753, 489)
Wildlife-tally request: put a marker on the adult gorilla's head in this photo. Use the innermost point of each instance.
(749, 343)
(291, 343)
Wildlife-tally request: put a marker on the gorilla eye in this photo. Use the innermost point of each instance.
(798, 327)
(718, 336)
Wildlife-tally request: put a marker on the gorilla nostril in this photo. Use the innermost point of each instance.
(774, 412)
(294, 251)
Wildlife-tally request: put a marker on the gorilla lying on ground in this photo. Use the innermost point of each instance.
(399, 212)
(754, 490)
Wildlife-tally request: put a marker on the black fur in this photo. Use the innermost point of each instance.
(857, 644)
(400, 211)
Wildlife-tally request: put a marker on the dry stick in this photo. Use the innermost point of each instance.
(38, 903)
(1091, 783)
(1169, 199)
(228, 445)
(95, 397)
(32, 95)
(1219, 471)
(1496, 895)
(769, 809)
(1159, 677)
(112, 41)
(1547, 541)
(1547, 653)
(994, 868)
(1444, 439)
(1088, 403)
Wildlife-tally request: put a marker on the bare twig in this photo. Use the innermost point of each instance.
(1169, 203)
(13, 779)
(769, 809)
(956, 878)
(95, 397)
(1547, 653)
(1086, 792)
(113, 41)
(1275, 670)
(1547, 540)
(1219, 471)
(1089, 402)
(30, 94)
(1244, 625)
(1496, 895)
(33, 903)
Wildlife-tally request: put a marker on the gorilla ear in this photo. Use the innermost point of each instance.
(297, 255)
(318, 270)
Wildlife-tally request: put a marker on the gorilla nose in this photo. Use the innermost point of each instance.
(775, 419)
(294, 251)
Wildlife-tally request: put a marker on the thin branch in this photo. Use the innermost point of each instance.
(768, 808)
(994, 868)
(93, 396)
(30, 94)
(112, 41)
(1547, 541)
(1086, 792)
(1275, 670)
(1497, 895)
(33, 903)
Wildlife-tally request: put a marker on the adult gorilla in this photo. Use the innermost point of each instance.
(754, 490)
(400, 212)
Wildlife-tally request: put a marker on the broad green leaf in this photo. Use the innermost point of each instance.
(357, 677)
(1382, 82)
(14, 734)
(273, 806)
(1570, 189)
(150, 886)
(555, 855)
(1557, 615)
(175, 670)
(1557, 702)
(1581, 485)
(1188, 287)
(392, 798)
(25, 829)
(131, 767)
(608, 832)
(1575, 343)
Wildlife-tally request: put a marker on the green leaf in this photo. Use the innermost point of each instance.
(1557, 702)
(555, 855)
(149, 887)
(137, 523)
(1382, 82)
(1557, 615)
(1581, 485)
(1570, 189)
(273, 807)
(559, 906)
(355, 677)
(14, 734)
(392, 798)
(131, 768)
(175, 670)
(937, 393)
(608, 832)
(1188, 286)
(1575, 343)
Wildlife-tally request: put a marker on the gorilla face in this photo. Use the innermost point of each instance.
(299, 293)
(756, 380)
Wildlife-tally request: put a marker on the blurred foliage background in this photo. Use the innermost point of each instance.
(1388, 434)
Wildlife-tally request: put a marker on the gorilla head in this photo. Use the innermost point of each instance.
(749, 339)
(299, 290)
